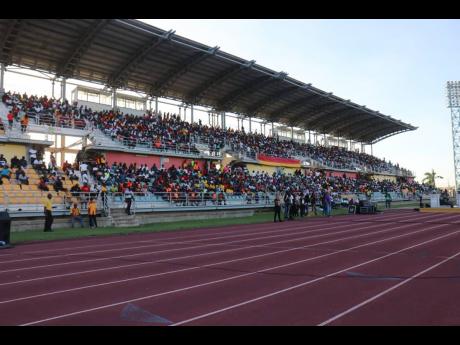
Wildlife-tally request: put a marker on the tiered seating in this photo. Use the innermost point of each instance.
(14, 194)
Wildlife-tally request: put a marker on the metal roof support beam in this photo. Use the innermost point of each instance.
(390, 135)
(332, 124)
(248, 89)
(368, 136)
(9, 39)
(254, 85)
(315, 117)
(345, 127)
(364, 127)
(273, 97)
(71, 62)
(119, 78)
(293, 105)
(182, 67)
(211, 83)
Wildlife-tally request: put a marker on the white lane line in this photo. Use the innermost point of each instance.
(202, 266)
(178, 249)
(250, 274)
(369, 300)
(165, 243)
(215, 252)
(185, 237)
(311, 281)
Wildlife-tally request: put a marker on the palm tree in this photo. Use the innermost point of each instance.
(430, 178)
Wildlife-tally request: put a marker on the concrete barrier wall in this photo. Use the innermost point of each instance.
(122, 220)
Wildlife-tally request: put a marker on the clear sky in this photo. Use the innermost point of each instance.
(398, 67)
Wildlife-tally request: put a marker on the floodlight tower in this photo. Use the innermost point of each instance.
(453, 95)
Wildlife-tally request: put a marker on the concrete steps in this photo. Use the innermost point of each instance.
(121, 219)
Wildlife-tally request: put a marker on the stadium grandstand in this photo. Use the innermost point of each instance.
(142, 128)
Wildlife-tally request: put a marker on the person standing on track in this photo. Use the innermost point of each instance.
(313, 203)
(76, 215)
(92, 209)
(128, 199)
(48, 208)
(287, 204)
(387, 200)
(277, 207)
(306, 202)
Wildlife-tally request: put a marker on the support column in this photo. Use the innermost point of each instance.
(292, 133)
(273, 129)
(156, 105)
(238, 119)
(2, 79)
(185, 113)
(191, 113)
(372, 150)
(209, 119)
(261, 128)
(309, 136)
(150, 104)
(62, 151)
(114, 98)
(63, 88)
(250, 125)
(52, 87)
(222, 118)
(324, 137)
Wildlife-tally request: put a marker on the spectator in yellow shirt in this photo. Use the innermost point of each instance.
(76, 215)
(92, 208)
(48, 208)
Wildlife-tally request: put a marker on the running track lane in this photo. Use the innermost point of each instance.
(43, 286)
(219, 288)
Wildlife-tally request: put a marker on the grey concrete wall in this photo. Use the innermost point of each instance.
(122, 220)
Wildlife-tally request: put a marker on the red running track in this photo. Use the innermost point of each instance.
(395, 268)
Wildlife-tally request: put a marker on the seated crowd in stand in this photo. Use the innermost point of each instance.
(169, 131)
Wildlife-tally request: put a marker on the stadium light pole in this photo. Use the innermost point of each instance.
(453, 95)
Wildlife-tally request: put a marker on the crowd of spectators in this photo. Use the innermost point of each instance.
(169, 131)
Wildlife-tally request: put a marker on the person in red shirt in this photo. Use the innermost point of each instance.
(10, 118)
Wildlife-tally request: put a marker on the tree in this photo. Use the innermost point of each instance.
(430, 178)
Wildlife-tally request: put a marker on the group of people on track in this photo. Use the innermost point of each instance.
(297, 204)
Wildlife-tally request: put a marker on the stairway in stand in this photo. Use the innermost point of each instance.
(121, 220)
